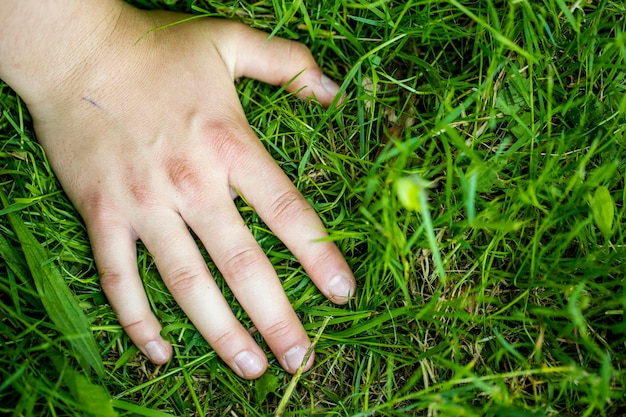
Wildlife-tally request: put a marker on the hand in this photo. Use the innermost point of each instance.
(148, 139)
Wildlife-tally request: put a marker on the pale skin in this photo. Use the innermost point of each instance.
(149, 140)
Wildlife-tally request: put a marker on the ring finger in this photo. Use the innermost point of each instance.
(253, 280)
(186, 275)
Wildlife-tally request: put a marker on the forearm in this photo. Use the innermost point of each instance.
(40, 40)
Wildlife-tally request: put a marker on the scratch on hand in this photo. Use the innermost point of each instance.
(93, 103)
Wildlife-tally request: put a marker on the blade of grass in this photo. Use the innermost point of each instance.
(280, 410)
(60, 304)
(138, 410)
(94, 400)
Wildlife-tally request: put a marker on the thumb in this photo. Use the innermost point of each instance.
(247, 53)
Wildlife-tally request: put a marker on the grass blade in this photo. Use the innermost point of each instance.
(56, 297)
(280, 410)
(93, 399)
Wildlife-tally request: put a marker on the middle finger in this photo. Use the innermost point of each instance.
(186, 275)
(252, 278)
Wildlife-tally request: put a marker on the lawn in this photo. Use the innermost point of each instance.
(473, 178)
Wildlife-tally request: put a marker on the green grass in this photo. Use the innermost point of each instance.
(507, 119)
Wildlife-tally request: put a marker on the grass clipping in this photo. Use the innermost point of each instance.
(282, 406)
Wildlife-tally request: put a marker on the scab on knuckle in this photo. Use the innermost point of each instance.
(183, 279)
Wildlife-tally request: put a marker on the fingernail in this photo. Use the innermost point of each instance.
(294, 357)
(156, 352)
(340, 289)
(249, 364)
(329, 85)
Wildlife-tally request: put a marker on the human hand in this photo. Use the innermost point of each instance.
(148, 138)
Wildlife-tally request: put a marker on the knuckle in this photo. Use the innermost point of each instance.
(183, 175)
(97, 209)
(142, 195)
(114, 283)
(225, 339)
(183, 279)
(288, 208)
(241, 263)
(110, 281)
(279, 330)
(132, 327)
(227, 140)
(324, 257)
(298, 51)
